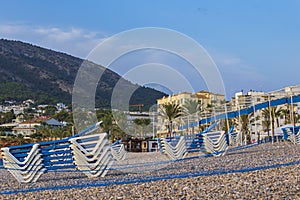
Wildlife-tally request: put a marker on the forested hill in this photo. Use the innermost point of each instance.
(47, 76)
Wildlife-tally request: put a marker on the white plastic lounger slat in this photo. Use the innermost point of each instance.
(28, 170)
(92, 161)
(177, 152)
(215, 147)
(118, 151)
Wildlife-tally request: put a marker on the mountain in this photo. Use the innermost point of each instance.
(28, 71)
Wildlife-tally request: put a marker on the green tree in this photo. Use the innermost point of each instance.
(270, 114)
(286, 114)
(114, 127)
(190, 108)
(267, 124)
(59, 132)
(63, 116)
(36, 137)
(296, 118)
(45, 132)
(7, 117)
(49, 111)
(107, 119)
(245, 125)
(231, 122)
(142, 123)
(277, 114)
(120, 125)
(170, 112)
(246, 120)
(28, 116)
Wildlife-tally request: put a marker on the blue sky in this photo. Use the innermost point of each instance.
(255, 44)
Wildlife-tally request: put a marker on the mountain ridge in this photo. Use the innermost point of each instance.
(30, 71)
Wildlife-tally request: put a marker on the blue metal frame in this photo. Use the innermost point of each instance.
(248, 110)
(54, 153)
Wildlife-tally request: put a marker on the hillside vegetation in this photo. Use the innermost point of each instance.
(28, 71)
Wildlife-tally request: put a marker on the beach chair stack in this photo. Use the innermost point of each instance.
(91, 154)
(215, 143)
(235, 138)
(25, 163)
(206, 143)
(118, 150)
(174, 149)
(292, 134)
(193, 142)
(87, 152)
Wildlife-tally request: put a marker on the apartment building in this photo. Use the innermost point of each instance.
(205, 100)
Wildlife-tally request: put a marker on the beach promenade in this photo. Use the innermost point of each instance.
(265, 171)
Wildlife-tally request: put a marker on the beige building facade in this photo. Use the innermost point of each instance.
(205, 100)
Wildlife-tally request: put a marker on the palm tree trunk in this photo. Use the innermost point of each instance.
(273, 130)
(171, 128)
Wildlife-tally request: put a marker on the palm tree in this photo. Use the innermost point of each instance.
(227, 126)
(277, 114)
(107, 120)
(69, 130)
(269, 115)
(170, 112)
(59, 132)
(266, 124)
(286, 114)
(142, 123)
(245, 122)
(44, 131)
(191, 107)
(120, 124)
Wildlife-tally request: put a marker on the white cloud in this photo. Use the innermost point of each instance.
(238, 68)
(74, 41)
(10, 29)
(239, 74)
(61, 35)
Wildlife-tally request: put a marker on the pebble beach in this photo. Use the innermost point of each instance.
(265, 171)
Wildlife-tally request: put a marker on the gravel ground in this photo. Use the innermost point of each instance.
(266, 171)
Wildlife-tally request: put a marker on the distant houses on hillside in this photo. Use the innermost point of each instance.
(29, 127)
(38, 116)
(207, 104)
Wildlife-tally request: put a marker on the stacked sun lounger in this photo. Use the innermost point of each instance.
(92, 154)
(86, 152)
(292, 134)
(215, 143)
(174, 151)
(118, 150)
(24, 163)
(205, 143)
(235, 138)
